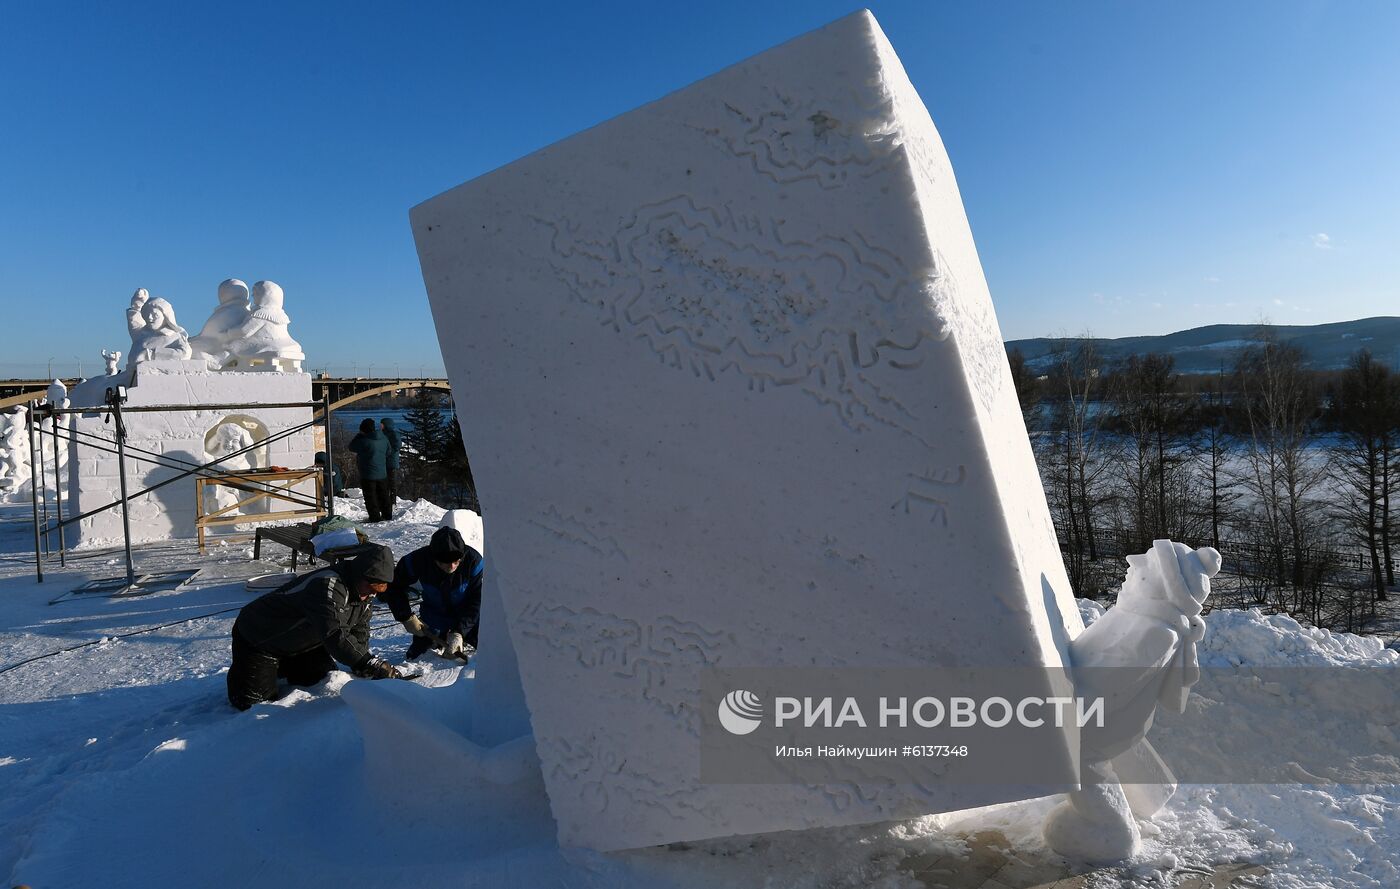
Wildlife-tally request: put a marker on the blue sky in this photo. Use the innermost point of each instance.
(1128, 168)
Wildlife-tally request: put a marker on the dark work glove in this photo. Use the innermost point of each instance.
(378, 668)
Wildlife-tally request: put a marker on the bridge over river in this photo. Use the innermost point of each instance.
(342, 391)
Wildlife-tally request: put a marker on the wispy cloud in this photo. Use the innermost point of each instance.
(1212, 279)
(1278, 302)
(1112, 303)
(1322, 241)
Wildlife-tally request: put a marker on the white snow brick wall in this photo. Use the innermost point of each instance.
(738, 397)
(170, 511)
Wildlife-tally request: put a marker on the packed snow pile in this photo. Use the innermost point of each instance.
(1250, 637)
(126, 752)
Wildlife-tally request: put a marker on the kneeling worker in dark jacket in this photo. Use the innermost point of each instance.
(449, 574)
(299, 631)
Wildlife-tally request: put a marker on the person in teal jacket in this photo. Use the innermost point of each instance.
(395, 440)
(371, 450)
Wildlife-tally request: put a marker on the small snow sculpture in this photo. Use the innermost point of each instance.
(111, 359)
(161, 336)
(229, 439)
(135, 321)
(14, 452)
(1139, 655)
(57, 395)
(263, 339)
(228, 318)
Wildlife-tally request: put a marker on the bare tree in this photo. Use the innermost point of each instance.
(1364, 407)
(1070, 455)
(1277, 402)
(1212, 459)
(1027, 386)
(1154, 467)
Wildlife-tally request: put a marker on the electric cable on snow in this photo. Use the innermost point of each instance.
(40, 657)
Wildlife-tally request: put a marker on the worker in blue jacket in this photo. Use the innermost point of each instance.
(448, 573)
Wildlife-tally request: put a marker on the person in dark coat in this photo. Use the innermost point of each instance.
(449, 574)
(371, 450)
(300, 630)
(338, 480)
(386, 425)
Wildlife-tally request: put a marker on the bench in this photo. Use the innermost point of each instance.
(297, 538)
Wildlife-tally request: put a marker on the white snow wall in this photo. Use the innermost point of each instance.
(735, 395)
(179, 435)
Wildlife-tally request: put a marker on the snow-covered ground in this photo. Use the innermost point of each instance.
(121, 764)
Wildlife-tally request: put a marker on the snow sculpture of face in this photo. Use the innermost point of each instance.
(1141, 579)
(232, 438)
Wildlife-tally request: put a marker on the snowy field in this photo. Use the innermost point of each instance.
(121, 764)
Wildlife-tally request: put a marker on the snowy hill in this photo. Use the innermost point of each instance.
(1202, 350)
(121, 764)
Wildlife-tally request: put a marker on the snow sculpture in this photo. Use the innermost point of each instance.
(14, 453)
(57, 395)
(135, 321)
(160, 336)
(263, 340)
(227, 440)
(229, 317)
(744, 402)
(468, 524)
(189, 437)
(1139, 655)
(160, 372)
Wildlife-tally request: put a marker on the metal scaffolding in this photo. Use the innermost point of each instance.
(113, 407)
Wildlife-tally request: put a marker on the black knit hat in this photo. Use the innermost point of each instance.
(375, 564)
(447, 545)
(366, 425)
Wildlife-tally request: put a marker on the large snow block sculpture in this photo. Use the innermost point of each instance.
(162, 444)
(736, 396)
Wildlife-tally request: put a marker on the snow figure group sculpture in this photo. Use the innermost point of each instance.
(237, 336)
(249, 337)
(167, 368)
(1139, 655)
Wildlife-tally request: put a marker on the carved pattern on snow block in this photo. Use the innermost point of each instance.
(927, 495)
(656, 656)
(574, 530)
(710, 292)
(600, 773)
(789, 140)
